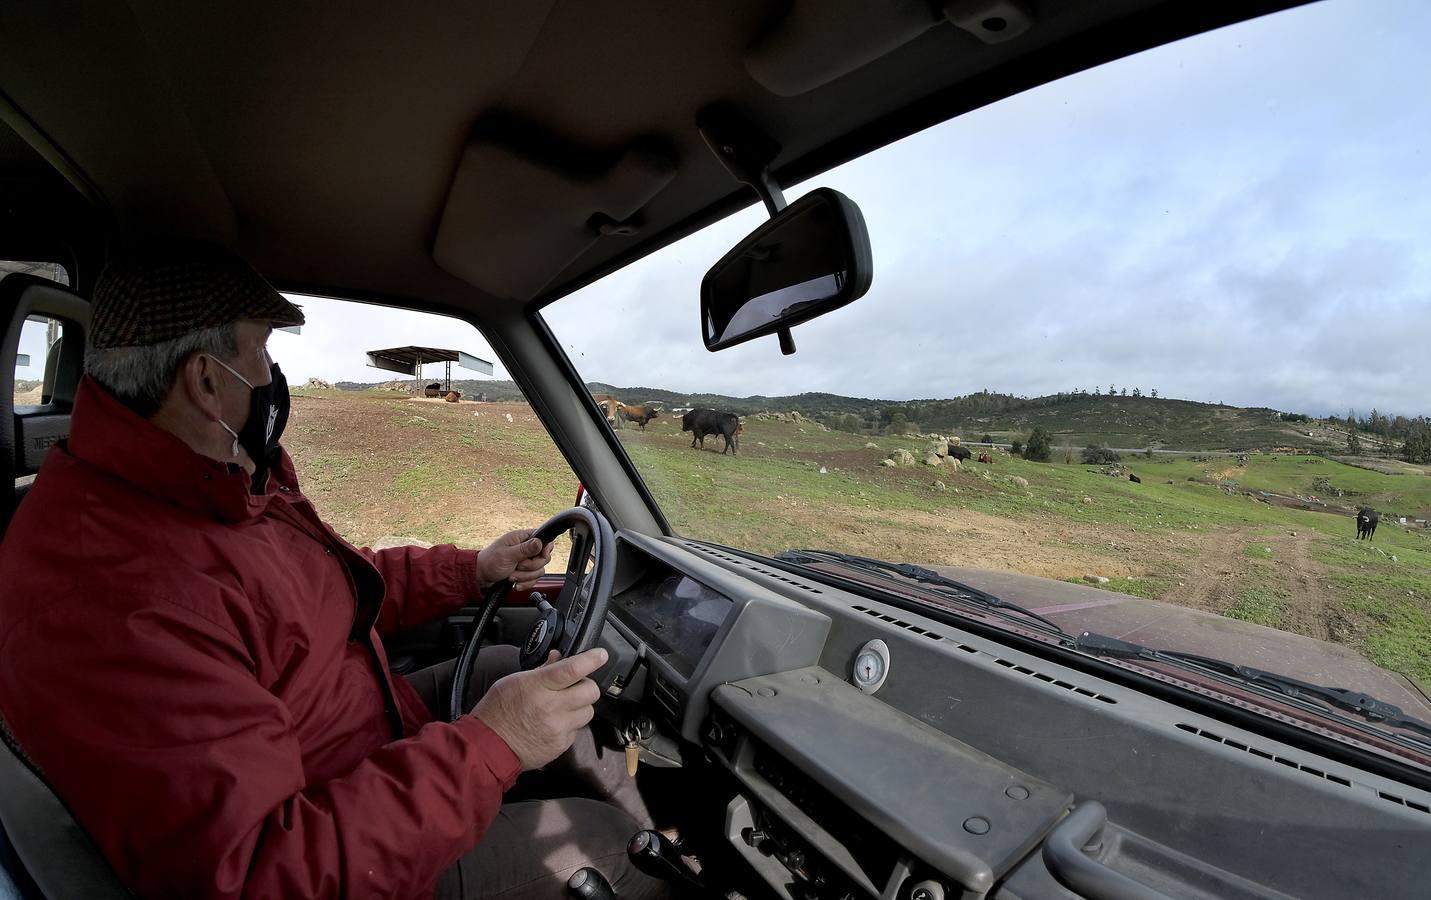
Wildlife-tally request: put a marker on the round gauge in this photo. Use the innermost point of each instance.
(871, 666)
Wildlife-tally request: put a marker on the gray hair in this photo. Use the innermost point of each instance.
(140, 377)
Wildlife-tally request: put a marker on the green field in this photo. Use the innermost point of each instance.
(1189, 534)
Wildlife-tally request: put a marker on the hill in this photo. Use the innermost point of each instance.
(1074, 419)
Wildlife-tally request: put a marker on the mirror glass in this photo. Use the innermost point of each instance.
(810, 258)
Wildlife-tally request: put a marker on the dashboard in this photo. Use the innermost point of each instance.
(975, 769)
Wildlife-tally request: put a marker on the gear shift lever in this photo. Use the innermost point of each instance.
(654, 854)
(589, 884)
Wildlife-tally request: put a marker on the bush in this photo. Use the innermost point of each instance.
(1097, 455)
(1017, 448)
(1040, 445)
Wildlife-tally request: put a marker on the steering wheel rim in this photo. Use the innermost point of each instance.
(571, 625)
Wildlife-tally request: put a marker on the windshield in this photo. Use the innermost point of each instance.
(1154, 332)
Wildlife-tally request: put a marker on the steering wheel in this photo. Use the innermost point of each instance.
(571, 625)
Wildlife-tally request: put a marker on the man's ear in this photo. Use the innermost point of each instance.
(197, 382)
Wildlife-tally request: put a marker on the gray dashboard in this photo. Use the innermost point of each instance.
(1112, 792)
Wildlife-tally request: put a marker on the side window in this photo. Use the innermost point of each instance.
(399, 435)
(39, 337)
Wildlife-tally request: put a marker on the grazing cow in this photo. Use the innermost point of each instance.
(701, 422)
(985, 458)
(959, 453)
(638, 414)
(1366, 519)
(1134, 478)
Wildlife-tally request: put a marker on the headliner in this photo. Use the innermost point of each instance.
(322, 138)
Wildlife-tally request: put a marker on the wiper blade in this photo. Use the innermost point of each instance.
(948, 587)
(1370, 708)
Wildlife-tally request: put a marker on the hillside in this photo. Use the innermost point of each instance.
(1073, 419)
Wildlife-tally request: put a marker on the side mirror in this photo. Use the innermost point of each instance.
(812, 257)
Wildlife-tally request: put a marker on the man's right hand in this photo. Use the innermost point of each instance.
(539, 712)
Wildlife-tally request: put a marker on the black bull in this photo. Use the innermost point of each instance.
(1366, 519)
(701, 422)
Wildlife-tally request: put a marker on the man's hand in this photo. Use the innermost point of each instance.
(539, 712)
(515, 555)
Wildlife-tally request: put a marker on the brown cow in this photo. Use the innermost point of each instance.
(453, 396)
(985, 458)
(638, 414)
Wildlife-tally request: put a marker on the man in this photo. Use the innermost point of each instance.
(194, 660)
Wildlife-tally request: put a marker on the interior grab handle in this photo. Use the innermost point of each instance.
(1081, 873)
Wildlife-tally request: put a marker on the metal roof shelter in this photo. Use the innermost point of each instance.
(410, 360)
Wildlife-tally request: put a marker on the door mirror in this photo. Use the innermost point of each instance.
(811, 258)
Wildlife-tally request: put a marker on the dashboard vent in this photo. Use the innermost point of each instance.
(907, 626)
(1056, 682)
(1293, 764)
(747, 564)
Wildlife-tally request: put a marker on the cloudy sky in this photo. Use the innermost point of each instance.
(1241, 217)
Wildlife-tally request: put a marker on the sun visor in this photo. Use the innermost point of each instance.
(514, 221)
(817, 41)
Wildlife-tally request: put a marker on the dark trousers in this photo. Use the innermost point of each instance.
(534, 845)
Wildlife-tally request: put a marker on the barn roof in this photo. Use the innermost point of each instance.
(407, 359)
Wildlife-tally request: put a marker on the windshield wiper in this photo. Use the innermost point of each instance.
(1370, 708)
(947, 587)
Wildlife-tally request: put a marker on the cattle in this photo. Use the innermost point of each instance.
(453, 396)
(1366, 519)
(1134, 478)
(609, 405)
(985, 458)
(959, 453)
(638, 414)
(701, 422)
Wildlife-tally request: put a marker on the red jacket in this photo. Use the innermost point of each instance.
(198, 673)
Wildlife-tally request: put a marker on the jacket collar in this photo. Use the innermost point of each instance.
(106, 434)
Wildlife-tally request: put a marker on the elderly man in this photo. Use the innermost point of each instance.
(194, 659)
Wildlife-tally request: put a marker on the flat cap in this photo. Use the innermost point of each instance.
(157, 292)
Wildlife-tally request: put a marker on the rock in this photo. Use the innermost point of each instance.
(938, 448)
(954, 442)
(871, 445)
(1267, 550)
(902, 457)
(888, 462)
(1095, 579)
(1393, 558)
(318, 383)
(822, 471)
(932, 459)
(475, 415)
(1020, 481)
(1088, 501)
(509, 416)
(953, 463)
(940, 486)
(1292, 533)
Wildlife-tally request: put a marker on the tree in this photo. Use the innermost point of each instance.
(1125, 392)
(988, 439)
(1040, 445)
(898, 423)
(1353, 442)
(1097, 455)
(1112, 390)
(1153, 393)
(1016, 448)
(1137, 392)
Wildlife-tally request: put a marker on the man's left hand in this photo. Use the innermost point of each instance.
(515, 555)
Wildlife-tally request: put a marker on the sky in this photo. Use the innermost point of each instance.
(1240, 217)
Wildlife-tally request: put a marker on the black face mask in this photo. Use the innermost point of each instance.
(267, 417)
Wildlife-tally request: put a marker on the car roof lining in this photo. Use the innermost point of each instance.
(312, 138)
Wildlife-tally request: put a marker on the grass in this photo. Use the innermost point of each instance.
(377, 467)
(1260, 605)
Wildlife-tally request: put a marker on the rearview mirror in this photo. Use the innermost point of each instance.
(812, 257)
